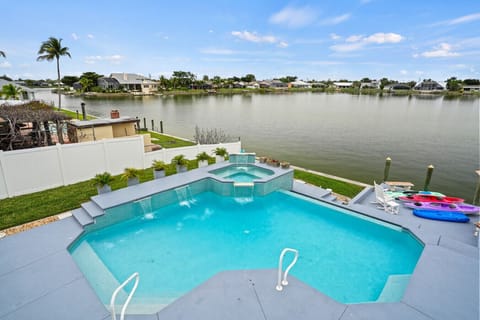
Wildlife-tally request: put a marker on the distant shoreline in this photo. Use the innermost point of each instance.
(234, 91)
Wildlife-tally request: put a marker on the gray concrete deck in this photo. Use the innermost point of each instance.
(38, 278)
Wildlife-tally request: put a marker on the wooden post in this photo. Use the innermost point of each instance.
(144, 124)
(153, 126)
(386, 171)
(476, 197)
(429, 177)
(161, 126)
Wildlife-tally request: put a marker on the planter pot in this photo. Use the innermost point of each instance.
(181, 169)
(219, 159)
(158, 174)
(262, 159)
(202, 163)
(104, 189)
(132, 181)
(285, 165)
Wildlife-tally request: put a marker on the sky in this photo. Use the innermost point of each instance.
(314, 40)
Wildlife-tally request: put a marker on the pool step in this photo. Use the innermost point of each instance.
(93, 209)
(394, 288)
(82, 217)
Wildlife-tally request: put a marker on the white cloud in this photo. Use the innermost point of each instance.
(403, 72)
(74, 36)
(354, 38)
(384, 38)
(357, 42)
(254, 37)
(90, 36)
(336, 20)
(114, 59)
(334, 36)
(464, 19)
(5, 65)
(441, 51)
(294, 17)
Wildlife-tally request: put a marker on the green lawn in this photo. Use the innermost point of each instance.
(30, 207)
(340, 187)
(167, 141)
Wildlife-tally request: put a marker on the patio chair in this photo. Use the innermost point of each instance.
(384, 201)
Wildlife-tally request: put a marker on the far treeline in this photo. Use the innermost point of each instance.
(185, 80)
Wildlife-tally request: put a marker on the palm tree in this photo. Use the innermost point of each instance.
(2, 54)
(52, 49)
(9, 91)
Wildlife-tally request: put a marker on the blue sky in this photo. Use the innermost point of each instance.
(352, 39)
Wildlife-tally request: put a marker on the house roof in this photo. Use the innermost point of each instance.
(4, 82)
(101, 122)
(130, 78)
(109, 80)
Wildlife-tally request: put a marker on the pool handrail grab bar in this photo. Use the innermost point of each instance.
(125, 305)
(284, 282)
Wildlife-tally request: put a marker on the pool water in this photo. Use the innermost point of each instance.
(177, 247)
(242, 173)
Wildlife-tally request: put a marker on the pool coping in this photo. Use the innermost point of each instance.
(38, 276)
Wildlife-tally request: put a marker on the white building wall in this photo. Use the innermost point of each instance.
(31, 170)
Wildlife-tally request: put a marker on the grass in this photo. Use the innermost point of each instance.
(26, 208)
(73, 114)
(167, 141)
(340, 187)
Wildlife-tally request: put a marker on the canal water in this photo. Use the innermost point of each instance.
(341, 134)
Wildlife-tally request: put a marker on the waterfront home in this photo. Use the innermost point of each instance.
(299, 84)
(370, 85)
(108, 83)
(397, 87)
(429, 85)
(471, 88)
(135, 83)
(343, 85)
(25, 93)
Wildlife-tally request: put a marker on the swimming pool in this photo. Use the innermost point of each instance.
(242, 173)
(176, 247)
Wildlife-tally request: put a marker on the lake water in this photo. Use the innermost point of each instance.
(341, 134)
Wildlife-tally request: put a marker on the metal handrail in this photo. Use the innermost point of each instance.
(284, 282)
(125, 305)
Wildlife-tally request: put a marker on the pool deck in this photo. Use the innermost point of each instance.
(39, 279)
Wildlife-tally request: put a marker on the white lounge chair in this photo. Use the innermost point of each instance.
(384, 201)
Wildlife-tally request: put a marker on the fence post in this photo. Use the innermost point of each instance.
(386, 171)
(476, 197)
(429, 177)
(4, 173)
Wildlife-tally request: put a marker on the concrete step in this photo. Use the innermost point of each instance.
(93, 209)
(82, 217)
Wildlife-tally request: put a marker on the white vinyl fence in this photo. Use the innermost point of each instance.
(30, 170)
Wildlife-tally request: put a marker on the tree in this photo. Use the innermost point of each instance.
(453, 84)
(88, 80)
(288, 79)
(2, 54)
(70, 80)
(248, 78)
(52, 49)
(183, 79)
(9, 91)
(471, 82)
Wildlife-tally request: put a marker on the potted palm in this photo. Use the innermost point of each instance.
(158, 169)
(203, 158)
(180, 162)
(132, 175)
(220, 154)
(102, 182)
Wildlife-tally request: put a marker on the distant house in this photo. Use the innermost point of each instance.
(252, 85)
(343, 85)
(428, 85)
(300, 84)
(398, 86)
(107, 83)
(370, 85)
(471, 88)
(135, 83)
(277, 84)
(25, 94)
(77, 86)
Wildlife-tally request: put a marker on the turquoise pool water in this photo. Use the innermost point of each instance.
(177, 247)
(242, 173)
